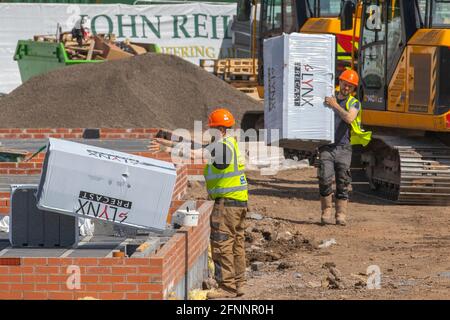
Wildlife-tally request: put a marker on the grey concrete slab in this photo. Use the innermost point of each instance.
(7, 180)
(4, 243)
(95, 253)
(125, 145)
(33, 252)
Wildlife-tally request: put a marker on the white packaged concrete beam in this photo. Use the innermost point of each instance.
(98, 183)
(299, 72)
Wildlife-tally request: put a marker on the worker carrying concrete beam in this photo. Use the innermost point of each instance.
(335, 159)
(226, 184)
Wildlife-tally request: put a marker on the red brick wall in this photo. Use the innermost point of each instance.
(23, 168)
(4, 203)
(77, 133)
(107, 278)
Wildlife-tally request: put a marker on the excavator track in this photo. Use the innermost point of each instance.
(409, 170)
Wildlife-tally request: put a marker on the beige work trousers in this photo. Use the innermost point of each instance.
(228, 245)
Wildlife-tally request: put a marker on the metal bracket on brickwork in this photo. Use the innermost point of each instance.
(91, 134)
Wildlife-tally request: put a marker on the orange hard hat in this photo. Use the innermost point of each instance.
(220, 118)
(351, 76)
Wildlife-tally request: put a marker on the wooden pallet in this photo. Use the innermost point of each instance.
(228, 70)
(239, 77)
(242, 62)
(222, 62)
(207, 63)
(244, 66)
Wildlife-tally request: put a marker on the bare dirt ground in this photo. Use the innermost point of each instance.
(409, 244)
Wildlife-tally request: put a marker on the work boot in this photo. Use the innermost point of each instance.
(220, 294)
(239, 290)
(341, 212)
(326, 204)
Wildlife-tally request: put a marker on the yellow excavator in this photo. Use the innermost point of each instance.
(404, 68)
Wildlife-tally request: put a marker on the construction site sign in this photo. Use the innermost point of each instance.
(192, 31)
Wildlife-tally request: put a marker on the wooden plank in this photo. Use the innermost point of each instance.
(91, 51)
(70, 43)
(84, 49)
(137, 50)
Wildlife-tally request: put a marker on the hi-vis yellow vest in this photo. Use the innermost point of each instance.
(231, 182)
(357, 135)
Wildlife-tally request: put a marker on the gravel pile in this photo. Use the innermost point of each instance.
(151, 90)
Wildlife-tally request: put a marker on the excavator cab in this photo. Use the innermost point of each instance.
(404, 64)
(403, 58)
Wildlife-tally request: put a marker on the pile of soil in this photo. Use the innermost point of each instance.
(151, 90)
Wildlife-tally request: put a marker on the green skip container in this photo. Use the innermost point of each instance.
(36, 57)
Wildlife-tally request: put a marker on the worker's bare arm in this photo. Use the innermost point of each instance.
(164, 145)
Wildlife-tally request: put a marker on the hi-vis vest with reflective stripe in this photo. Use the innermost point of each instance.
(231, 182)
(357, 135)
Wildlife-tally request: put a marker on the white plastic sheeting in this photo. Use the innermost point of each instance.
(299, 72)
(86, 226)
(4, 224)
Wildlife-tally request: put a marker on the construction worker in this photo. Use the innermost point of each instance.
(226, 184)
(80, 31)
(335, 159)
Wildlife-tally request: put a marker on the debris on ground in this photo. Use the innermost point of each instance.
(327, 243)
(333, 280)
(270, 240)
(445, 274)
(254, 216)
(314, 284)
(98, 47)
(284, 265)
(257, 265)
(284, 236)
